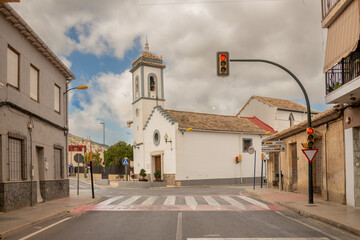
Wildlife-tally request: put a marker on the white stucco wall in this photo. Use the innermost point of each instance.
(166, 150)
(283, 118)
(211, 155)
(262, 111)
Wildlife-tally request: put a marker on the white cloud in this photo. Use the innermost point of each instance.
(188, 36)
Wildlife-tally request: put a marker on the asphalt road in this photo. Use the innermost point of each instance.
(181, 213)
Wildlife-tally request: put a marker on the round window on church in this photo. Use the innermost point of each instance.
(156, 137)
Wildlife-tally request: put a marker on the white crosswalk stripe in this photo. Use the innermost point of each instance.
(192, 203)
(233, 202)
(170, 200)
(110, 200)
(253, 201)
(211, 201)
(150, 200)
(129, 201)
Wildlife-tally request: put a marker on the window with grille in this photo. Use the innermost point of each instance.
(58, 163)
(17, 166)
(247, 142)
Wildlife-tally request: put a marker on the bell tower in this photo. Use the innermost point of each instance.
(147, 92)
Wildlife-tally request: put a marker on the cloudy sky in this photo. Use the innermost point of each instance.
(98, 39)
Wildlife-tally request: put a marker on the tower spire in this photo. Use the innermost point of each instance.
(146, 45)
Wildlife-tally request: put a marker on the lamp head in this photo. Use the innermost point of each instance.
(82, 87)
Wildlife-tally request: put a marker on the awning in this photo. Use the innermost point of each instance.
(343, 35)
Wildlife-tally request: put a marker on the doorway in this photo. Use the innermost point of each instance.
(158, 163)
(293, 149)
(41, 171)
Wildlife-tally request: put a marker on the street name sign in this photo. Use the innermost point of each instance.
(78, 158)
(273, 143)
(125, 161)
(310, 153)
(273, 149)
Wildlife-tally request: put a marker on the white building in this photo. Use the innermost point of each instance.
(277, 113)
(203, 155)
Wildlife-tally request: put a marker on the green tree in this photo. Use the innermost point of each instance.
(117, 152)
(95, 158)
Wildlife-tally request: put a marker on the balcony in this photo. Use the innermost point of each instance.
(327, 6)
(343, 80)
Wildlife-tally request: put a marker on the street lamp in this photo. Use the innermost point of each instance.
(81, 87)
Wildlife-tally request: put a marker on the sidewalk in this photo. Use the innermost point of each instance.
(340, 216)
(11, 222)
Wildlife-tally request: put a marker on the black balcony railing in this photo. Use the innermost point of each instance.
(343, 72)
(327, 5)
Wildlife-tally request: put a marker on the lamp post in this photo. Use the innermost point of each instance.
(81, 87)
(103, 123)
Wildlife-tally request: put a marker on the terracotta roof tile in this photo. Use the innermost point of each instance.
(279, 103)
(204, 121)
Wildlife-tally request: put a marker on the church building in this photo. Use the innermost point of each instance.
(189, 148)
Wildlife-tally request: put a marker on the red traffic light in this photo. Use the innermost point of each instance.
(223, 57)
(310, 130)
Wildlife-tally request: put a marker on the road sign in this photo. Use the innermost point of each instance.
(71, 165)
(125, 161)
(310, 153)
(273, 149)
(78, 158)
(251, 150)
(272, 143)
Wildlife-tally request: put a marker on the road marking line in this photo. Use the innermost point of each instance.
(37, 232)
(110, 200)
(211, 201)
(233, 202)
(257, 238)
(150, 200)
(170, 200)
(307, 225)
(179, 227)
(253, 201)
(129, 200)
(191, 202)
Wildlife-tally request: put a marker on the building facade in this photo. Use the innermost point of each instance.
(277, 113)
(328, 165)
(342, 80)
(33, 116)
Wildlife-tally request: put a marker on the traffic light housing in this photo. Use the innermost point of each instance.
(310, 138)
(238, 158)
(222, 62)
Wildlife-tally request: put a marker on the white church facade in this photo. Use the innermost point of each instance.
(189, 148)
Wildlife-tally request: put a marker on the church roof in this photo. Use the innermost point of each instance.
(205, 121)
(147, 58)
(282, 104)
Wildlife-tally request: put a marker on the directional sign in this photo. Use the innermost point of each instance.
(273, 149)
(78, 158)
(310, 153)
(125, 161)
(273, 143)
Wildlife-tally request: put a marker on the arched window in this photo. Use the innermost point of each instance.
(291, 119)
(137, 86)
(152, 84)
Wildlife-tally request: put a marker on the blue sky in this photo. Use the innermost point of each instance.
(97, 41)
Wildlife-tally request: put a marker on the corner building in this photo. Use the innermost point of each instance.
(33, 116)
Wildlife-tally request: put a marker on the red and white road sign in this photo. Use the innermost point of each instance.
(310, 153)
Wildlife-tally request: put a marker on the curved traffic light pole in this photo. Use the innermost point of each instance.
(307, 108)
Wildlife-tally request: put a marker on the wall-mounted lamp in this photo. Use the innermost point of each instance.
(166, 137)
(135, 145)
(184, 130)
(128, 123)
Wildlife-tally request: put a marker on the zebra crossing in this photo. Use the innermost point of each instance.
(183, 203)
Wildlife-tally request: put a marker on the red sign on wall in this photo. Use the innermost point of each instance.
(77, 148)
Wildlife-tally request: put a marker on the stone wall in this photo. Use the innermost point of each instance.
(54, 189)
(16, 195)
(169, 179)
